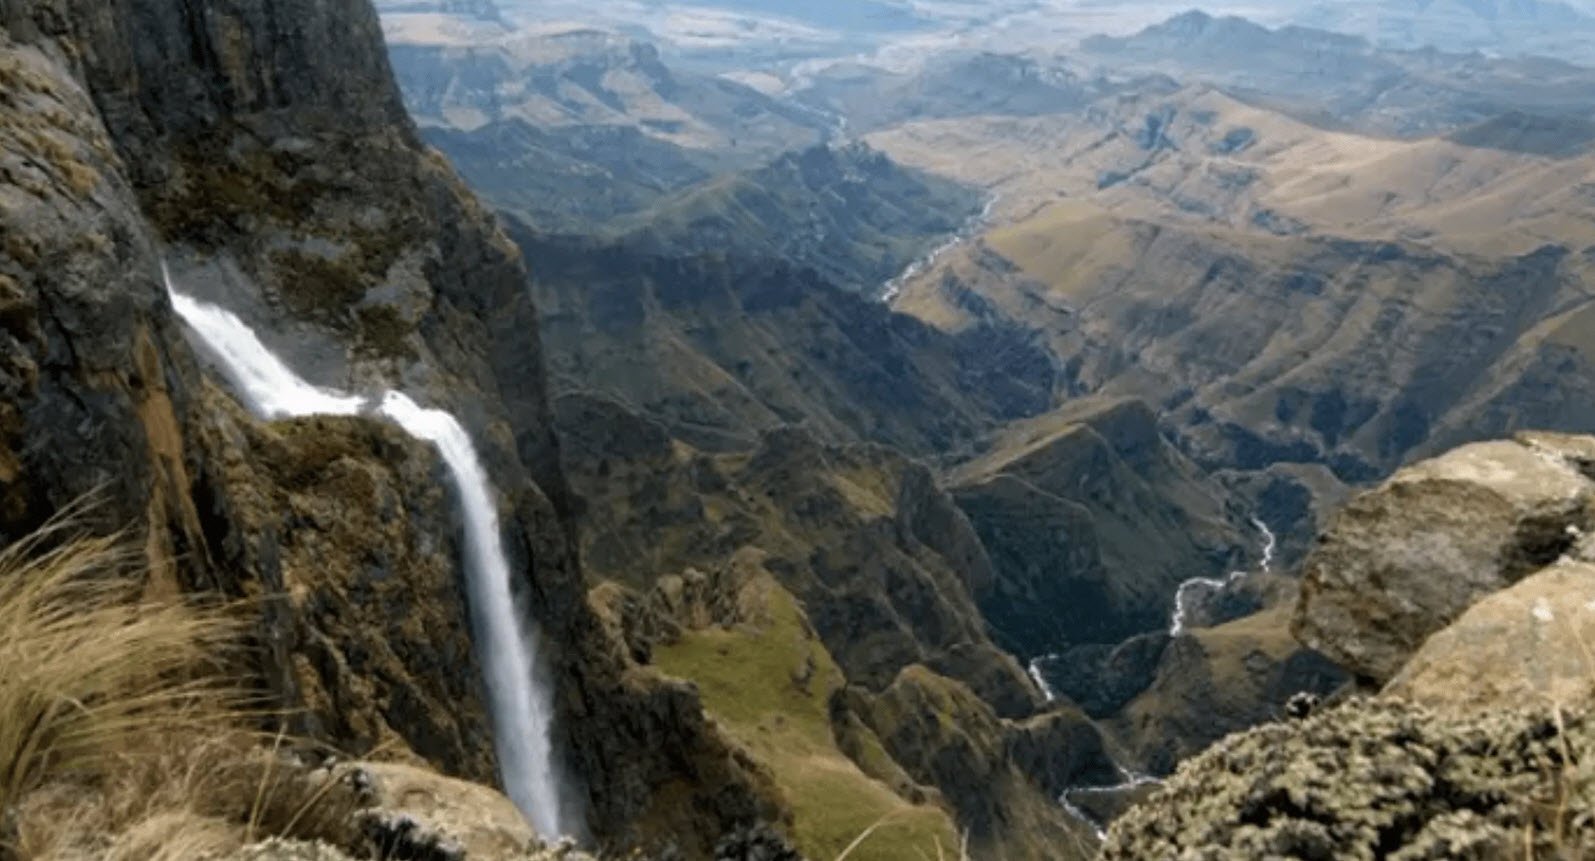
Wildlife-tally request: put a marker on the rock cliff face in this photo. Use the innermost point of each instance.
(1436, 538)
(263, 149)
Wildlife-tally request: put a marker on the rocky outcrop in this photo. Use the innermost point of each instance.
(415, 813)
(348, 533)
(1376, 780)
(884, 566)
(1473, 577)
(1405, 560)
(1526, 645)
(882, 560)
(1217, 681)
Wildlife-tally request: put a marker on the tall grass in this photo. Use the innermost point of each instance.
(90, 668)
(122, 732)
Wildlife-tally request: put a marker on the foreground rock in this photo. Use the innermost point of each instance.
(1528, 645)
(1376, 780)
(1403, 561)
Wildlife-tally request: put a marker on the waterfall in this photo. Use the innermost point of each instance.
(521, 703)
(1040, 678)
(271, 389)
(523, 708)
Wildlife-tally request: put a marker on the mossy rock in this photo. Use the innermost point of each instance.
(1377, 779)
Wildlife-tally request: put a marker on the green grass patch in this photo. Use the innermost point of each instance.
(768, 683)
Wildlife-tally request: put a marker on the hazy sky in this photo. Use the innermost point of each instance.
(741, 32)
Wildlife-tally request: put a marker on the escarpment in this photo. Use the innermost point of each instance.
(262, 152)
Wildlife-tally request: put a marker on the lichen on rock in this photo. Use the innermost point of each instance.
(1526, 645)
(1377, 779)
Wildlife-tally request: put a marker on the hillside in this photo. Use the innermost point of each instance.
(577, 76)
(849, 213)
(722, 348)
(1324, 75)
(1286, 293)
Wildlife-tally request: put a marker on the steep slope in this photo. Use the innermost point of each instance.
(720, 349)
(265, 150)
(1285, 294)
(848, 213)
(1093, 522)
(880, 568)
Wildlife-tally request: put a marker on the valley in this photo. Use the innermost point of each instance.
(1132, 319)
(740, 430)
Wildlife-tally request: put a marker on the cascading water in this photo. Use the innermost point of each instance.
(1182, 605)
(271, 389)
(523, 709)
(522, 705)
(1040, 678)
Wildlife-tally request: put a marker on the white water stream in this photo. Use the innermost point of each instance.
(1130, 780)
(1187, 591)
(520, 700)
(891, 289)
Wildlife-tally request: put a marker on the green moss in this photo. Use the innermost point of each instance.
(383, 333)
(770, 684)
(320, 288)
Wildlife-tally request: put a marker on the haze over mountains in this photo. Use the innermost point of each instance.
(1067, 303)
(760, 35)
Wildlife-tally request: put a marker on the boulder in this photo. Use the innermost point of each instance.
(1404, 560)
(1530, 644)
(479, 820)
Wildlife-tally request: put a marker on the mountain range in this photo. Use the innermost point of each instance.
(744, 431)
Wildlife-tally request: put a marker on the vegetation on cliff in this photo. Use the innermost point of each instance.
(771, 682)
(123, 734)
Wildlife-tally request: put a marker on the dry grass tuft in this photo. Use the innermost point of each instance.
(120, 734)
(90, 669)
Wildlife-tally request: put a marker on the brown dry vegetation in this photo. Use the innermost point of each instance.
(120, 736)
